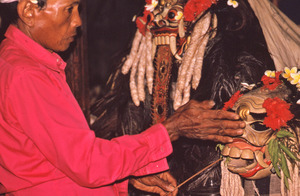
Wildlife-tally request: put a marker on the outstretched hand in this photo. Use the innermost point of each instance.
(161, 183)
(197, 120)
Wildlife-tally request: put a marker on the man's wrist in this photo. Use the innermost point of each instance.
(171, 129)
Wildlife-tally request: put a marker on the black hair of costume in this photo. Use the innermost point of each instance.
(238, 53)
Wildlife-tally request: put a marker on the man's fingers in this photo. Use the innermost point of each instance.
(165, 185)
(220, 138)
(167, 177)
(208, 104)
(219, 125)
(218, 114)
(148, 188)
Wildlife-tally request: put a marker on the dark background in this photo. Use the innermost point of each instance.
(110, 31)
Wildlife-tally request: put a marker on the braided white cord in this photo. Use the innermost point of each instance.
(133, 76)
(199, 31)
(231, 184)
(149, 62)
(133, 52)
(142, 71)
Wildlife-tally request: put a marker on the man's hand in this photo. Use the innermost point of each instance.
(161, 183)
(196, 120)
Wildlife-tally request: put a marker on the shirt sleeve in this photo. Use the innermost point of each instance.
(48, 114)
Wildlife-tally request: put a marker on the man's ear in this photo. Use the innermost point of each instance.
(26, 12)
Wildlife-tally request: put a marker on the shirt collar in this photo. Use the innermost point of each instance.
(51, 60)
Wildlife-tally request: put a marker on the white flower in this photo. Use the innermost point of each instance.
(248, 86)
(287, 73)
(295, 78)
(270, 73)
(233, 3)
(151, 7)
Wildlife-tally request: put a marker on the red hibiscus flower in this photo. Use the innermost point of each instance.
(232, 100)
(278, 113)
(271, 83)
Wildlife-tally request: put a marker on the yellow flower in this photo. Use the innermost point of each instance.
(270, 73)
(295, 78)
(232, 3)
(151, 7)
(287, 73)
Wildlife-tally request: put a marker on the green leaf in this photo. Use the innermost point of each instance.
(285, 167)
(276, 167)
(220, 147)
(286, 182)
(288, 152)
(274, 152)
(282, 133)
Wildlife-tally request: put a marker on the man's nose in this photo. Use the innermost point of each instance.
(77, 22)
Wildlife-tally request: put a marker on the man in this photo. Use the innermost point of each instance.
(46, 146)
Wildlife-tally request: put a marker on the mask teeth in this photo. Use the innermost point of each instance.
(34, 1)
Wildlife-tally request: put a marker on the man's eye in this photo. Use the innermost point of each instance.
(70, 9)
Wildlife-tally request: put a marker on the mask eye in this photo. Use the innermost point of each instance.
(174, 15)
(258, 126)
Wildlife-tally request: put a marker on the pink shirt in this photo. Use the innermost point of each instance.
(46, 146)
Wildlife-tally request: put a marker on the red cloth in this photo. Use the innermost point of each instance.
(46, 146)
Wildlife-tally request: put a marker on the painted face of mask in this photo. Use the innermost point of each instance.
(249, 155)
(168, 27)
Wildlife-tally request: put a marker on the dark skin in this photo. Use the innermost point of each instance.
(54, 28)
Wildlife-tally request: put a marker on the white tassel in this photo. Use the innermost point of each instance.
(141, 72)
(133, 52)
(149, 62)
(231, 184)
(188, 57)
(133, 86)
(199, 63)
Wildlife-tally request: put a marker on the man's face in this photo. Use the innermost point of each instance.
(55, 24)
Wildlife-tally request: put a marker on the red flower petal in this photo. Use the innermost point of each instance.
(278, 113)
